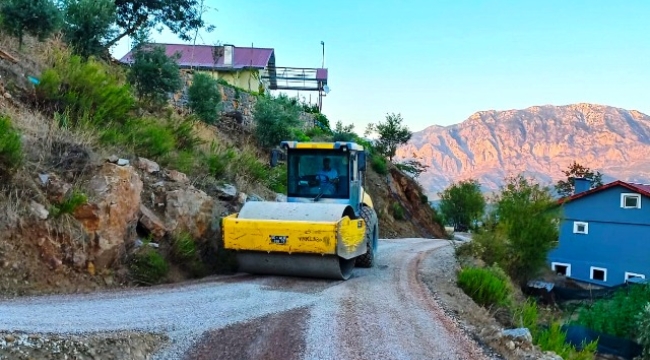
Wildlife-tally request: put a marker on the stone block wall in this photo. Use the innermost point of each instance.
(235, 103)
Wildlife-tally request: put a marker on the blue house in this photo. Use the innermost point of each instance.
(605, 234)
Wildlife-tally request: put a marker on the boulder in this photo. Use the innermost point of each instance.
(189, 210)
(280, 197)
(177, 176)
(111, 220)
(226, 192)
(150, 221)
(521, 334)
(241, 198)
(148, 165)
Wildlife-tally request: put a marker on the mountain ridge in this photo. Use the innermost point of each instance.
(540, 141)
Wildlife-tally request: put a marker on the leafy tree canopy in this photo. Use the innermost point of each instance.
(462, 203)
(182, 17)
(39, 18)
(154, 74)
(575, 170)
(528, 217)
(89, 25)
(391, 134)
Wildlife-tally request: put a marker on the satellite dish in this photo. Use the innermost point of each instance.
(326, 89)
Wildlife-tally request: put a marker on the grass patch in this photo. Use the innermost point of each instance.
(486, 286)
(379, 164)
(11, 151)
(184, 246)
(148, 267)
(75, 199)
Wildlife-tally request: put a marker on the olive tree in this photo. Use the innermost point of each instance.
(39, 18)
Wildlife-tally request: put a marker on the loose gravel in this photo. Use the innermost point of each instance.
(380, 313)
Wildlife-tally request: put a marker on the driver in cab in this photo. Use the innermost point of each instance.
(328, 177)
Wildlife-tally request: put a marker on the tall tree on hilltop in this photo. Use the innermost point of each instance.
(182, 17)
(89, 25)
(39, 18)
(391, 134)
(575, 170)
(462, 203)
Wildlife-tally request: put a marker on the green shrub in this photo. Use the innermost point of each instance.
(616, 316)
(75, 199)
(398, 212)
(486, 286)
(248, 165)
(218, 161)
(299, 135)
(643, 331)
(153, 140)
(379, 164)
(11, 149)
(184, 133)
(147, 266)
(185, 161)
(86, 90)
(274, 118)
(146, 137)
(154, 74)
(277, 180)
(204, 97)
(492, 247)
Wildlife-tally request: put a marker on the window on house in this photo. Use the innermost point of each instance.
(580, 227)
(630, 201)
(629, 275)
(599, 274)
(561, 268)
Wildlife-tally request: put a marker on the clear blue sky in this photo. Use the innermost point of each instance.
(439, 61)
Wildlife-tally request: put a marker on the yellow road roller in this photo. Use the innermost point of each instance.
(326, 226)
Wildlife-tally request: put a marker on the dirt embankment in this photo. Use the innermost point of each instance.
(395, 191)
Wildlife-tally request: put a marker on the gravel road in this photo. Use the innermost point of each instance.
(380, 313)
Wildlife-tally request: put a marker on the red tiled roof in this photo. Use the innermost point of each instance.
(202, 56)
(643, 189)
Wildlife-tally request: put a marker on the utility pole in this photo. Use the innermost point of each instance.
(323, 43)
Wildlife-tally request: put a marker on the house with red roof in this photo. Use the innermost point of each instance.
(243, 67)
(605, 234)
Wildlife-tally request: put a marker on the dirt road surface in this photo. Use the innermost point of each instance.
(380, 313)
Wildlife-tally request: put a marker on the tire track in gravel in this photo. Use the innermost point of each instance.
(266, 337)
(380, 313)
(386, 313)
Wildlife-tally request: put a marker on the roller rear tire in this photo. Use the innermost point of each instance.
(367, 260)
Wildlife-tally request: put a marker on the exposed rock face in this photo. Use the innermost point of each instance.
(189, 210)
(152, 222)
(111, 220)
(541, 140)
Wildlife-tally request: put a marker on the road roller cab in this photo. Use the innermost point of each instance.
(326, 227)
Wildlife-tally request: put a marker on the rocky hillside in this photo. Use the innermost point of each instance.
(86, 206)
(540, 141)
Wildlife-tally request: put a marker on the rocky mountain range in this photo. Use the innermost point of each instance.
(539, 141)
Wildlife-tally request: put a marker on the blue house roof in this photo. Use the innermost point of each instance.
(642, 189)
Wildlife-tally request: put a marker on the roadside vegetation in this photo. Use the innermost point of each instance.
(107, 109)
(513, 232)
